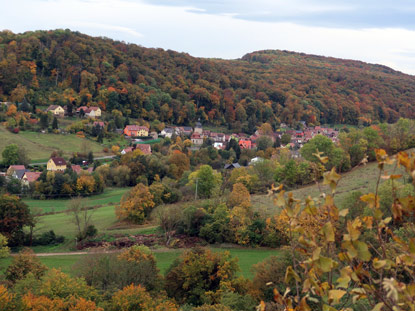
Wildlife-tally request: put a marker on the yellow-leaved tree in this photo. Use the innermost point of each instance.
(136, 205)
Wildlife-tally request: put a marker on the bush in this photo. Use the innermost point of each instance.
(48, 238)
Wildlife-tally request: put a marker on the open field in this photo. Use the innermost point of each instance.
(110, 196)
(361, 179)
(246, 258)
(39, 146)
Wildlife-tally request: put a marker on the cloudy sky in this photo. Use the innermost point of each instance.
(375, 31)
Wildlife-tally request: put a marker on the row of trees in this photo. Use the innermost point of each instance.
(199, 280)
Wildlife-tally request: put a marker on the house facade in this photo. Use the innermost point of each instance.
(136, 131)
(56, 164)
(91, 112)
(56, 110)
(196, 139)
(30, 177)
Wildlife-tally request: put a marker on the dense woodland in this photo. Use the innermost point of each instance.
(64, 67)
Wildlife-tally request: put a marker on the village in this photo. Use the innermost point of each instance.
(141, 137)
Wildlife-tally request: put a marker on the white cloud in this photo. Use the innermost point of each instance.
(210, 35)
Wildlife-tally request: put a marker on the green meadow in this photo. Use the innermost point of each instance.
(110, 196)
(246, 259)
(39, 146)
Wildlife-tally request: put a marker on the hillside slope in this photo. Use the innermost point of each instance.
(266, 86)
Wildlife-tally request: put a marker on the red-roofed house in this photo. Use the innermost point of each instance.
(29, 177)
(144, 148)
(196, 139)
(245, 144)
(76, 168)
(13, 168)
(136, 130)
(99, 123)
(127, 150)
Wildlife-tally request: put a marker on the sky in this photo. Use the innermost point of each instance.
(374, 31)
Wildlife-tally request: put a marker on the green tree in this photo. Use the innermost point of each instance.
(14, 215)
(14, 154)
(24, 263)
(55, 125)
(205, 180)
(4, 249)
(198, 274)
(264, 142)
(285, 139)
(44, 120)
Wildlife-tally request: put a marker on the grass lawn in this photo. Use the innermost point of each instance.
(362, 179)
(246, 258)
(110, 196)
(39, 146)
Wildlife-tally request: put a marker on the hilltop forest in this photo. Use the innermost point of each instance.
(65, 67)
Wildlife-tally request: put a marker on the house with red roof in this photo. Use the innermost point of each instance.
(245, 144)
(144, 148)
(196, 139)
(30, 177)
(76, 168)
(136, 131)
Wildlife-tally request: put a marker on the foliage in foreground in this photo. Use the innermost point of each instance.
(347, 263)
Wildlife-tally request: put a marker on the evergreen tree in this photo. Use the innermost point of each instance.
(100, 138)
(90, 157)
(55, 123)
(44, 120)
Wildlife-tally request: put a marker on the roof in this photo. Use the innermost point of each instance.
(17, 167)
(58, 161)
(87, 109)
(53, 107)
(126, 150)
(195, 136)
(32, 176)
(145, 148)
(76, 168)
(100, 123)
(20, 173)
(232, 166)
(136, 128)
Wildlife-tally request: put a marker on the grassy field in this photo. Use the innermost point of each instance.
(110, 196)
(361, 179)
(246, 259)
(39, 146)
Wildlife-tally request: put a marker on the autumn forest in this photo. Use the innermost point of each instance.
(61, 66)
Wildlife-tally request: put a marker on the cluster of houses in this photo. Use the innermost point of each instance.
(20, 172)
(91, 112)
(298, 137)
(55, 164)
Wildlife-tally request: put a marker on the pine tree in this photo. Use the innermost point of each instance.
(55, 123)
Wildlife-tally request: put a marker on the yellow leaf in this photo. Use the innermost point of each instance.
(378, 307)
(336, 294)
(344, 212)
(328, 232)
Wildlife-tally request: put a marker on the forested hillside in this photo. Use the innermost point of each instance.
(60, 67)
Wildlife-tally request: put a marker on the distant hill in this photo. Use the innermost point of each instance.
(62, 66)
